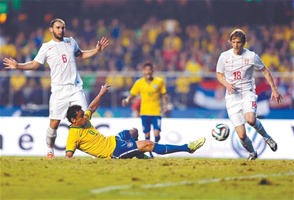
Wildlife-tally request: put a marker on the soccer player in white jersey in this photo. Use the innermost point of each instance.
(235, 71)
(66, 84)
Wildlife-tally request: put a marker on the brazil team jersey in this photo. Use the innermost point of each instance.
(150, 95)
(89, 140)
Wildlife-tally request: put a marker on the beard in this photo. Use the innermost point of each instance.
(59, 37)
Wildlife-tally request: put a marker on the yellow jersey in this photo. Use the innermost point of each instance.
(150, 93)
(89, 140)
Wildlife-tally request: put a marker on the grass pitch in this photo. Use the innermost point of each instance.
(160, 178)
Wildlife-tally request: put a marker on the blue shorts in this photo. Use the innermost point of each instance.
(126, 146)
(148, 120)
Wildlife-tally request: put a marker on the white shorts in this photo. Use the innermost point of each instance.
(63, 97)
(238, 106)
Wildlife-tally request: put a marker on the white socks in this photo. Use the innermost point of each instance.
(247, 144)
(50, 139)
(259, 128)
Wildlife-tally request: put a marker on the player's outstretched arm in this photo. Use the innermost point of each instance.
(95, 103)
(101, 45)
(10, 63)
(276, 96)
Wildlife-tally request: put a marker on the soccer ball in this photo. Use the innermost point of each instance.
(220, 132)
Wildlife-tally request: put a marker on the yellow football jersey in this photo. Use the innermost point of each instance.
(89, 140)
(150, 95)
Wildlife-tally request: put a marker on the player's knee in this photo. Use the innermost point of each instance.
(150, 145)
(145, 145)
(243, 137)
(251, 121)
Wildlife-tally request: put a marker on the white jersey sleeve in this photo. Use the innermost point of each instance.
(41, 55)
(220, 66)
(258, 64)
(77, 49)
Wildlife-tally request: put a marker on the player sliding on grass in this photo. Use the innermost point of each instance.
(83, 136)
(235, 71)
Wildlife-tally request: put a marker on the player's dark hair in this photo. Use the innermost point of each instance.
(72, 112)
(239, 34)
(56, 20)
(148, 64)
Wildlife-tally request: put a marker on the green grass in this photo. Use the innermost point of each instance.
(160, 178)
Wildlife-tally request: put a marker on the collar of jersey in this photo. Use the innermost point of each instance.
(86, 126)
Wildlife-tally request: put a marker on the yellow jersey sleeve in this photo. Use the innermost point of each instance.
(72, 141)
(135, 90)
(88, 114)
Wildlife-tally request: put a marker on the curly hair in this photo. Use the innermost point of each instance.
(72, 112)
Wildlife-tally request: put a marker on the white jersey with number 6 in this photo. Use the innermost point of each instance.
(238, 70)
(66, 83)
(61, 59)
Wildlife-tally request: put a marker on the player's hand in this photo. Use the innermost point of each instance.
(102, 44)
(276, 96)
(10, 63)
(104, 89)
(124, 102)
(165, 109)
(231, 88)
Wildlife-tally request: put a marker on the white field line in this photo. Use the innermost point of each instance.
(203, 181)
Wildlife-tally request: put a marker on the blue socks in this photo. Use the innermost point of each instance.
(167, 148)
(157, 138)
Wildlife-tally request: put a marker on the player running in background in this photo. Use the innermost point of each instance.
(235, 71)
(151, 89)
(83, 136)
(66, 84)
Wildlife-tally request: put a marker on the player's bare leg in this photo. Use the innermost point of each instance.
(51, 137)
(246, 142)
(135, 134)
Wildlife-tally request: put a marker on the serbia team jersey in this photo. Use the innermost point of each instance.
(89, 140)
(150, 95)
(61, 59)
(238, 69)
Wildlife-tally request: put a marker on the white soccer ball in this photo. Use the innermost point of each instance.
(220, 132)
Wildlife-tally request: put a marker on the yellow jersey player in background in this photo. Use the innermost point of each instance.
(83, 136)
(152, 90)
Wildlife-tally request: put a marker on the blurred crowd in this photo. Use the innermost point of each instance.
(184, 55)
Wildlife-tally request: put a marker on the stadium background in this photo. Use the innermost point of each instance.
(182, 38)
